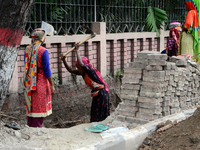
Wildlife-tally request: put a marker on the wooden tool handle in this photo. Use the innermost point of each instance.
(79, 44)
(91, 36)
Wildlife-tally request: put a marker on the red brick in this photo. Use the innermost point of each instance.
(20, 74)
(48, 45)
(20, 63)
(22, 58)
(54, 60)
(53, 50)
(19, 69)
(18, 58)
(21, 52)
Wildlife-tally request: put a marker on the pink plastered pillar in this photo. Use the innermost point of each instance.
(124, 56)
(113, 53)
(62, 72)
(100, 29)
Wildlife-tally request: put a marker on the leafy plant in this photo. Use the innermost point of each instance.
(74, 77)
(119, 74)
(156, 19)
(58, 14)
(55, 79)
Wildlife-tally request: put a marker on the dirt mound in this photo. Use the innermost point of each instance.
(182, 136)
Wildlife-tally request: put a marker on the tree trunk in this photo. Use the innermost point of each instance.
(14, 15)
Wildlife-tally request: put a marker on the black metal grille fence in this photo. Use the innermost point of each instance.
(120, 16)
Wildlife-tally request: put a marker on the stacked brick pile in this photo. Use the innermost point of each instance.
(175, 86)
(182, 90)
(153, 87)
(129, 94)
(169, 90)
(131, 87)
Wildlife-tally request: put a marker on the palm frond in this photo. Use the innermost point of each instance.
(155, 19)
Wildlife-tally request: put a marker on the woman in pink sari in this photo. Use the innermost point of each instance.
(101, 101)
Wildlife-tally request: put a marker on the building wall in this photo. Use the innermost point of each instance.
(119, 50)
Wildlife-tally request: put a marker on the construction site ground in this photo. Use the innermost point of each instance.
(183, 135)
(71, 138)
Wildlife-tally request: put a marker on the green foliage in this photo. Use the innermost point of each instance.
(55, 79)
(155, 19)
(170, 5)
(74, 77)
(119, 74)
(120, 16)
(58, 14)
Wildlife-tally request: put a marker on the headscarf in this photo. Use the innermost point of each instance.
(174, 24)
(192, 23)
(87, 62)
(30, 73)
(175, 30)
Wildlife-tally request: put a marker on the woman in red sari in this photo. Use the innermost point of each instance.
(101, 101)
(37, 80)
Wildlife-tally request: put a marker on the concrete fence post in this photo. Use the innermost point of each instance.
(113, 57)
(124, 56)
(100, 29)
(162, 40)
(61, 70)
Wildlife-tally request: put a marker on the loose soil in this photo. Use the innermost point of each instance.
(182, 136)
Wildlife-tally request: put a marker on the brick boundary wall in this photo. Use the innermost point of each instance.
(106, 52)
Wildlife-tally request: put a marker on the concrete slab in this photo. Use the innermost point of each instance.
(132, 139)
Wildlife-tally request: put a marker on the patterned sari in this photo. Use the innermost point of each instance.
(30, 73)
(192, 23)
(37, 87)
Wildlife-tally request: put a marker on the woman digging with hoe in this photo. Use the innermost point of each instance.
(101, 102)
